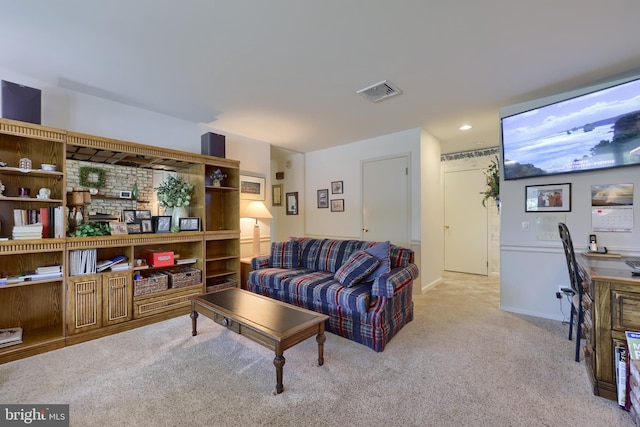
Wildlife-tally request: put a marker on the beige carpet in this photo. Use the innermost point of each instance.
(461, 362)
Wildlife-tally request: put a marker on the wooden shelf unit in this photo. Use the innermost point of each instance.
(73, 309)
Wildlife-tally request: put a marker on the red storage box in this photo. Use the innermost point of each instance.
(159, 258)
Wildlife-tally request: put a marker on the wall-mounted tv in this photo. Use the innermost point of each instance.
(597, 130)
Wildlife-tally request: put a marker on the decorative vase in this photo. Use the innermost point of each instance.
(178, 212)
(216, 183)
(134, 191)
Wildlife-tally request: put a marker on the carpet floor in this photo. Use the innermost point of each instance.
(461, 362)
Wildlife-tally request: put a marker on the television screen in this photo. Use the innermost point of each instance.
(596, 130)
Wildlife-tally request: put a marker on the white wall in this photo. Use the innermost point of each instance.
(286, 226)
(532, 269)
(432, 213)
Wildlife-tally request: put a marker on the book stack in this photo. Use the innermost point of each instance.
(111, 263)
(49, 218)
(46, 272)
(633, 375)
(121, 266)
(27, 232)
(10, 336)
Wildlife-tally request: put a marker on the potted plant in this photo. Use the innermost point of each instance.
(217, 176)
(493, 183)
(175, 193)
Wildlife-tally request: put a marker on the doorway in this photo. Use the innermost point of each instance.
(465, 222)
(385, 200)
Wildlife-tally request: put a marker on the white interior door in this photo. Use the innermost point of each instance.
(385, 200)
(465, 222)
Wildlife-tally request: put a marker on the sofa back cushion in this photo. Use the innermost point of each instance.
(285, 254)
(358, 266)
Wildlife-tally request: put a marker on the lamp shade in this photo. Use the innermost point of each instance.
(255, 209)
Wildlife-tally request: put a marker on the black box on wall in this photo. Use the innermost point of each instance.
(213, 144)
(21, 103)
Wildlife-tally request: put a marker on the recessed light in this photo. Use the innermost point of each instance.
(465, 127)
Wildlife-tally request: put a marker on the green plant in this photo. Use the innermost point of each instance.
(493, 182)
(92, 229)
(175, 192)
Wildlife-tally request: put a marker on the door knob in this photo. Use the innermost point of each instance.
(365, 229)
(446, 227)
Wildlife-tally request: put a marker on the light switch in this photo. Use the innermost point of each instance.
(525, 225)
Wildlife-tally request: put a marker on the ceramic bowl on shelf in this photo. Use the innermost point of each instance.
(47, 167)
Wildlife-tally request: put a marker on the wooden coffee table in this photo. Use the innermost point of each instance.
(271, 323)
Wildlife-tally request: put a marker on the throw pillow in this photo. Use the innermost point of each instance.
(284, 255)
(357, 266)
(381, 252)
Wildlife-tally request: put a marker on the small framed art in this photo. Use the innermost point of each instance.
(292, 203)
(336, 187)
(337, 205)
(143, 214)
(161, 224)
(190, 224)
(134, 228)
(147, 225)
(276, 195)
(128, 216)
(252, 187)
(118, 228)
(548, 198)
(323, 198)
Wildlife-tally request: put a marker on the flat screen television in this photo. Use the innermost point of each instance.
(597, 130)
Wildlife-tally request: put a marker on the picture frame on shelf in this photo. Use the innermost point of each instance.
(323, 198)
(190, 224)
(134, 227)
(276, 195)
(128, 216)
(118, 228)
(292, 203)
(161, 223)
(337, 205)
(147, 225)
(337, 187)
(252, 187)
(548, 198)
(143, 214)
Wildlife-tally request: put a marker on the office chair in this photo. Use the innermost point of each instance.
(576, 286)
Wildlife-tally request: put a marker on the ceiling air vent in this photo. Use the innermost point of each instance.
(380, 91)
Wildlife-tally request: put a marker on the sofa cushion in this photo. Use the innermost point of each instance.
(284, 254)
(381, 252)
(359, 265)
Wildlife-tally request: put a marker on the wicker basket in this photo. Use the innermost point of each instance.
(217, 286)
(147, 285)
(185, 276)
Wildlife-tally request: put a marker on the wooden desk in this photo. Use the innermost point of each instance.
(611, 301)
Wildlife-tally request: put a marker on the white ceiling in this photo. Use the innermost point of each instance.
(287, 71)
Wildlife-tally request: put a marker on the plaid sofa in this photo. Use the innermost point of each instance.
(311, 273)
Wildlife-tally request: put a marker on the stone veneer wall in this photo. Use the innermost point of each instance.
(118, 178)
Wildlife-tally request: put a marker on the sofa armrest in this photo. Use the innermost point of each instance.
(260, 262)
(388, 284)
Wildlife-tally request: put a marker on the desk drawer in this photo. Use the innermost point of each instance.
(625, 315)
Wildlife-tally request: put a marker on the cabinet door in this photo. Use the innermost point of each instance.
(116, 297)
(84, 308)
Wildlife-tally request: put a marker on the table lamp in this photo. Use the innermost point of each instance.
(256, 210)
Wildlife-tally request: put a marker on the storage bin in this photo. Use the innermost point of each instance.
(153, 283)
(185, 276)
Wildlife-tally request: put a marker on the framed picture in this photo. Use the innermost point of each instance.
(134, 228)
(147, 225)
(336, 187)
(190, 224)
(144, 214)
(161, 224)
(128, 216)
(548, 198)
(337, 205)
(292, 203)
(118, 228)
(323, 198)
(252, 187)
(276, 195)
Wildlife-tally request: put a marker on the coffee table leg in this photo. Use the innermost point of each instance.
(279, 363)
(321, 338)
(194, 321)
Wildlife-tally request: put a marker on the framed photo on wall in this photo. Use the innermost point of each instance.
(276, 195)
(292, 203)
(337, 205)
(548, 198)
(337, 187)
(323, 198)
(252, 187)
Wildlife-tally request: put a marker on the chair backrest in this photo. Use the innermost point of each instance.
(572, 265)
